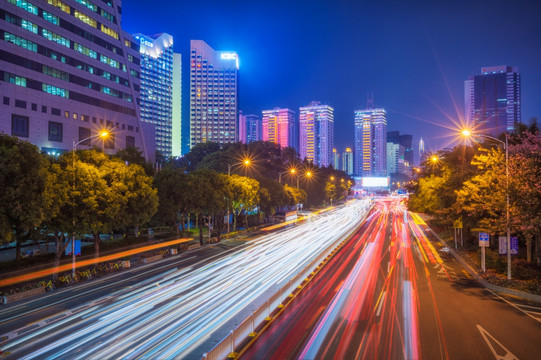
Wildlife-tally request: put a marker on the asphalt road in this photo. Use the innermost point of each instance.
(393, 293)
(177, 308)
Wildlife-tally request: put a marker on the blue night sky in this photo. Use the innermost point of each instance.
(412, 55)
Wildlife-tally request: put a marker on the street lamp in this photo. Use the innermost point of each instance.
(102, 134)
(245, 162)
(505, 143)
(292, 171)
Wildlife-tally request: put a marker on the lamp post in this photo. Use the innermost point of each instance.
(102, 134)
(245, 162)
(292, 171)
(505, 143)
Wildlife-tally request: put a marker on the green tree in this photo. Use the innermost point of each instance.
(131, 155)
(23, 179)
(176, 193)
(244, 195)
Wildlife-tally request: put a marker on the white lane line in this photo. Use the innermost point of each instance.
(380, 304)
(508, 354)
(515, 306)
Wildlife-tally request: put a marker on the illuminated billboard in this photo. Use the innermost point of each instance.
(379, 182)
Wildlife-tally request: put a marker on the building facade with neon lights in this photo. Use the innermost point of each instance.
(279, 126)
(68, 71)
(316, 133)
(213, 94)
(160, 90)
(370, 157)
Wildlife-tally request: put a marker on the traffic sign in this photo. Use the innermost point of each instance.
(457, 224)
(484, 240)
(503, 245)
(514, 245)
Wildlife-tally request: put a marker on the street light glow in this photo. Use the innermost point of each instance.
(466, 132)
(104, 134)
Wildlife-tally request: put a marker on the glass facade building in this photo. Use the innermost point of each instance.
(213, 94)
(67, 72)
(249, 128)
(493, 100)
(157, 89)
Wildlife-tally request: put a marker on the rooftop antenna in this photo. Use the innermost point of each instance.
(370, 100)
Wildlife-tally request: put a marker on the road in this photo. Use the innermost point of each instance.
(170, 310)
(391, 293)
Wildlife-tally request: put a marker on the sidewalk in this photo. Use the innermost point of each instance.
(485, 283)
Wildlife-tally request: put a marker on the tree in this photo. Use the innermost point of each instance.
(244, 195)
(483, 197)
(192, 160)
(23, 179)
(525, 189)
(131, 155)
(175, 191)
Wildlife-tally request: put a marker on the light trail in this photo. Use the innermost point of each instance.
(174, 314)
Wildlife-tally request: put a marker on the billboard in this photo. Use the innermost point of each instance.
(379, 182)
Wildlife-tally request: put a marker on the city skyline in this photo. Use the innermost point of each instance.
(416, 55)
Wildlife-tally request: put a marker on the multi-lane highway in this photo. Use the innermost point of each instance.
(170, 310)
(391, 293)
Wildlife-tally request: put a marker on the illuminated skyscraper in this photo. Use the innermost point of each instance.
(336, 160)
(160, 90)
(249, 128)
(347, 161)
(422, 153)
(278, 126)
(316, 133)
(493, 99)
(67, 72)
(370, 142)
(213, 94)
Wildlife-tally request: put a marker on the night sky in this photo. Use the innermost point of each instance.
(413, 55)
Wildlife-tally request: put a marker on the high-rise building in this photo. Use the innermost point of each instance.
(396, 163)
(493, 99)
(67, 72)
(406, 142)
(213, 94)
(370, 142)
(279, 127)
(316, 133)
(347, 161)
(249, 128)
(336, 159)
(422, 153)
(160, 90)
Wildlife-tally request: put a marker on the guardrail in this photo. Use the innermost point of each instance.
(266, 312)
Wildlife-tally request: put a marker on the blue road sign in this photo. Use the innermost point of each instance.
(514, 245)
(484, 239)
(77, 248)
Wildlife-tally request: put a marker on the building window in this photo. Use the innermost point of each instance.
(54, 111)
(66, 114)
(75, 116)
(6, 100)
(130, 141)
(20, 104)
(19, 125)
(84, 134)
(44, 109)
(55, 131)
(34, 107)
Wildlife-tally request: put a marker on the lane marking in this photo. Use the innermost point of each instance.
(508, 354)
(515, 306)
(381, 303)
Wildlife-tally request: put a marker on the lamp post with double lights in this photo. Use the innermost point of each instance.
(246, 162)
(103, 135)
(505, 143)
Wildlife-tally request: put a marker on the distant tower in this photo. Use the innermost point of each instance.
(347, 161)
(249, 128)
(278, 126)
(316, 133)
(421, 150)
(336, 159)
(370, 142)
(492, 100)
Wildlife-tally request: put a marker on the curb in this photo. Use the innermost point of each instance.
(500, 289)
